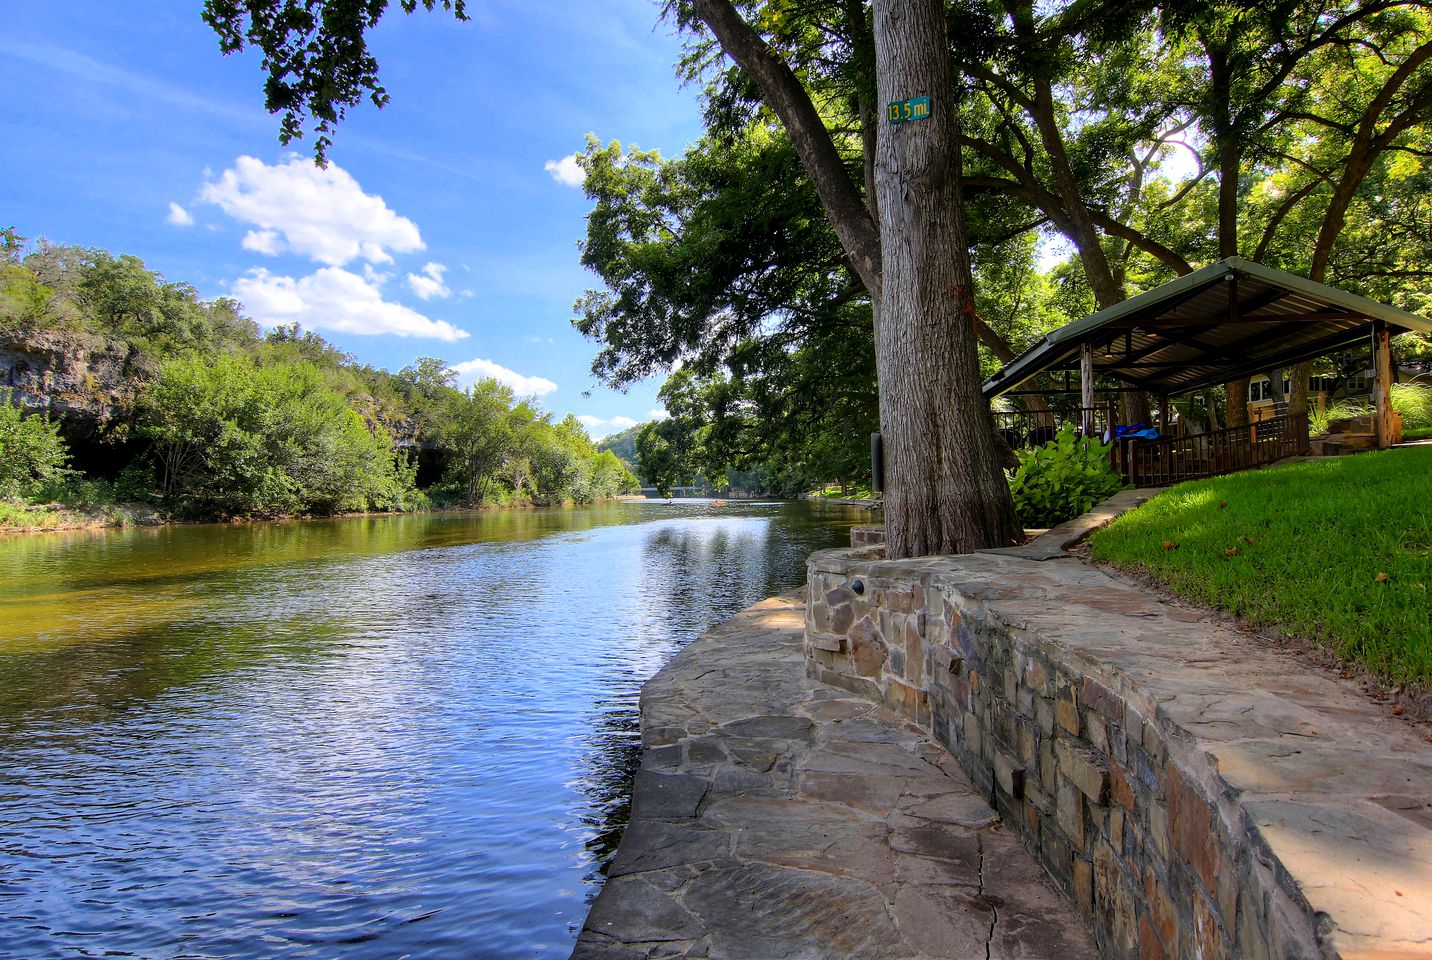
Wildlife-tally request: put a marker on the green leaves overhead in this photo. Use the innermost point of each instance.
(699, 253)
(315, 53)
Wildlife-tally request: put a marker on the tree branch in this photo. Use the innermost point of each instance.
(783, 93)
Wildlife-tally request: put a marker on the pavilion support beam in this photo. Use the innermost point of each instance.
(1086, 386)
(1382, 384)
(1165, 407)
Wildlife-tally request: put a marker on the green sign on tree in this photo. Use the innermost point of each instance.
(916, 108)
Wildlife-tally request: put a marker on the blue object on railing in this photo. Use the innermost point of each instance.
(1137, 431)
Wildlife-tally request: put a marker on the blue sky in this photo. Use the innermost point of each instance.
(446, 224)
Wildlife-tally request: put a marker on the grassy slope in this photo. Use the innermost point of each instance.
(1339, 551)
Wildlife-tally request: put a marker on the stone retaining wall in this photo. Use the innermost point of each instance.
(1185, 791)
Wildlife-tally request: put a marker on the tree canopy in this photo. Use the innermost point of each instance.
(1147, 139)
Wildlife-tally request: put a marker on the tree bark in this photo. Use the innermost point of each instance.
(1236, 403)
(1134, 407)
(1298, 375)
(945, 490)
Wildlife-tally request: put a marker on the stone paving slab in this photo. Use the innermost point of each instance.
(776, 817)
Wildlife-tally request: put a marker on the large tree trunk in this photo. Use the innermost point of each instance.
(1134, 407)
(1299, 374)
(945, 490)
(1236, 403)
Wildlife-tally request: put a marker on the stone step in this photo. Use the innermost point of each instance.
(774, 816)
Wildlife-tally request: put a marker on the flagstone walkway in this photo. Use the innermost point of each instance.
(776, 817)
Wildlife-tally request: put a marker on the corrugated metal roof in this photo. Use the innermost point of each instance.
(1182, 336)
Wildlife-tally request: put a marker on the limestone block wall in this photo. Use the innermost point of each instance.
(1126, 815)
(867, 535)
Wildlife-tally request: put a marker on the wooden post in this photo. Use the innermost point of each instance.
(1086, 386)
(1382, 383)
(1165, 428)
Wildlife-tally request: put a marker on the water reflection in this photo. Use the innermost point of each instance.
(406, 736)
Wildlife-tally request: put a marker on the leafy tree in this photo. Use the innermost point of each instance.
(701, 253)
(946, 492)
(663, 450)
(26, 304)
(11, 244)
(623, 445)
(232, 438)
(477, 430)
(32, 452)
(609, 476)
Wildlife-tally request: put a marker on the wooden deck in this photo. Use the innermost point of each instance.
(1158, 463)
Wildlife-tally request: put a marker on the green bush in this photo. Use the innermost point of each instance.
(233, 438)
(1414, 402)
(32, 452)
(1062, 479)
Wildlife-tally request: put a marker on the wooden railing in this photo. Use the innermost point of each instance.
(1024, 429)
(1156, 463)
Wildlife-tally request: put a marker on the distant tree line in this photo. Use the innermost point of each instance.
(226, 419)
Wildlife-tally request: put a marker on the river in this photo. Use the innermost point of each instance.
(376, 737)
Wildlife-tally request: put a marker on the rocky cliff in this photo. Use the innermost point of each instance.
(85, 381)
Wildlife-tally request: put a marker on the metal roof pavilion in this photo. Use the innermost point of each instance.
(1222, 322)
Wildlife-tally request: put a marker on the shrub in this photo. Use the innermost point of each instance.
(233, 438)
(1062, 479)
(32, 452)
(1319, 420)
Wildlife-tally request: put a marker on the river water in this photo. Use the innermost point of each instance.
(377, 737)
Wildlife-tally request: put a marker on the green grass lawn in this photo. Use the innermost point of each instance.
(1338, 551)
(832, 492)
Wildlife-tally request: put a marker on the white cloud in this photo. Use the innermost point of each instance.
(320, 213)
(470, 371)
(599, 428)
(266, 242)
(334, 299)
(566, 171)
(539, 340)
(657, 413)
(429, 283)
(179, 216)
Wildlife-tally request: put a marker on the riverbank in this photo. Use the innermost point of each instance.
(867, 502)
(52, 517)
(774, 816)
(58, 517)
